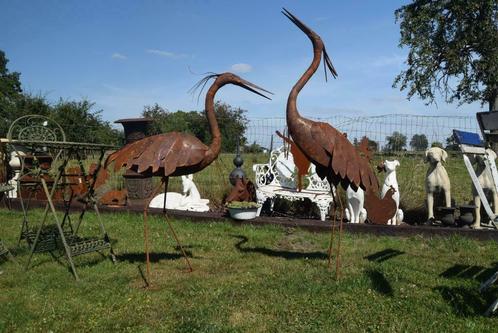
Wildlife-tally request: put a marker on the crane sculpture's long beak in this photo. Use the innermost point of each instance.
(304, 28)
(252, 87)
(312, 35)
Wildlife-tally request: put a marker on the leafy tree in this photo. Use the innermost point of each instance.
(10, 93)
(372, 145)
(395, 142)
(232, 122)
(419, 142)
(253, 148)
(82, 124)
(453, 50)
(451, 143)
(437, 144)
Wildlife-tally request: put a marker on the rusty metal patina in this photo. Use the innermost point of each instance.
(175, 153)
(300, 160)
(328, 149)
(243, 190)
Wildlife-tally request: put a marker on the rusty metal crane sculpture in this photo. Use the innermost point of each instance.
(176, 154)
(334, 156)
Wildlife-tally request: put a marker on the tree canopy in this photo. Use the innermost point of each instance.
(453, 50)
(395, 142)
(232, 122)
(419, 142)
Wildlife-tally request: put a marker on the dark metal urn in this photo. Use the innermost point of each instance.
(446, 215)
(466, 215)
(137, 185)
(237, 172)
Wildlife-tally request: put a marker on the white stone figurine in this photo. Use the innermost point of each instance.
(483, 173)
(355, 213)
(436, 179)
(15, 164)
(389, 167)
(190, 200)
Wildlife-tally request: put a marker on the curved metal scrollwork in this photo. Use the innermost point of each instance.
(36, 128)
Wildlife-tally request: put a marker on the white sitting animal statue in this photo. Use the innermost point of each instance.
(436, 179)
(355, 213)
(483, 173)
(389, 167)
(190, 200)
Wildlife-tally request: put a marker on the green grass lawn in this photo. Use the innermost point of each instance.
(250, 279)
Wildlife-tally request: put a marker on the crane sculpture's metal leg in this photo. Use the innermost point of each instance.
(164, 181)
(336, 199)
(331, 243)
(146, 227)
(338, 256)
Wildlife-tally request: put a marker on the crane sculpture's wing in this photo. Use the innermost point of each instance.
(345, 164)
(163, 151)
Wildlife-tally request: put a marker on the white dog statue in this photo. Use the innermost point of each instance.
(190, 200)
(485, 178)
(436, 179)
(389, 167)
(355, 213)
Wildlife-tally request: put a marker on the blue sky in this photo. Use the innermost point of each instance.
(123, 55)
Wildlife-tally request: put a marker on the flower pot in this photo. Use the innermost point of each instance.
(243, 213)
(466, 215)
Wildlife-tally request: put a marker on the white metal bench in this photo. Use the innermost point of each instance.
(277, 179)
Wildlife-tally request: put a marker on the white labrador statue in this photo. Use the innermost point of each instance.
(436, 179)
(190, 200)
(355, 213)
(389, 167)
(485, 178)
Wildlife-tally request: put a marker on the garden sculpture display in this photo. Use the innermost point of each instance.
(436, 179)
(389, 167)
(190, 199)
(380, 210)
(301, 162)
(485, 178)
(244, 190)
(177, 154)
(355, 212)
(327, 148)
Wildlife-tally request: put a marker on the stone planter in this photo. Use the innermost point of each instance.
(243, 213)
(446, 215)
(466, 215)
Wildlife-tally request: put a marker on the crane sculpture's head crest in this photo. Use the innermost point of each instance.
(327, 63)
(226, 78)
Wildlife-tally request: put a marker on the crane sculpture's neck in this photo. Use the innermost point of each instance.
(293, 115)
(215, 146)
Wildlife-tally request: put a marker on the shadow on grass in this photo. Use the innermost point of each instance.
(379, 282)
(289, 255)
(384, 255)
(465, 301)
(478, 273)
(135, 257)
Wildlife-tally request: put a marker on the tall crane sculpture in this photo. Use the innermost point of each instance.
(334, 156)
(177, 154)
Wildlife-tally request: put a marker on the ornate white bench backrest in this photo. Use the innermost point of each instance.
(281, 172)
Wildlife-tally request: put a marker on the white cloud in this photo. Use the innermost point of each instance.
(167, 54)
(241, 68)
(119, 56)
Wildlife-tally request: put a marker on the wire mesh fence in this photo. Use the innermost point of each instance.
(377, 128)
